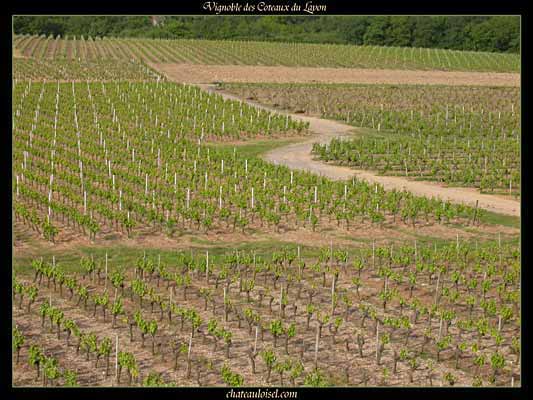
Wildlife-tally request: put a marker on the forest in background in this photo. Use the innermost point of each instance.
(494, 34)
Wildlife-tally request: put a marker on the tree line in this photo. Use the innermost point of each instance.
(481, 33)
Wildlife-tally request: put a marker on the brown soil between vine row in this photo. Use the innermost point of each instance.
(331, 353)
(193, 73)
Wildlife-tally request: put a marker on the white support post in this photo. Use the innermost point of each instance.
(146, 185)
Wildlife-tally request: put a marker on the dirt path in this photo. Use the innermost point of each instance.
(298, 156)
(193, 73)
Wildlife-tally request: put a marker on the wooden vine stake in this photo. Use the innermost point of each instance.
(377, 342)
(105, 284)
(255, 342)
(475, 213)
(437, 289)
(316, 346)
(332, 295)
(225, 313)
(116, 357)
(189, 357)
(373, 253)
(207, 266)
(84, 203)
(500, 247)
(280, 299)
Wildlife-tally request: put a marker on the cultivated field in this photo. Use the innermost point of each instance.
(460, 136)
(33, 69)
(175, 235)
(264, 53)
(412, 315)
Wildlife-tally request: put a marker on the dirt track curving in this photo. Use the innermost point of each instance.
(298, 156)
(246, 73)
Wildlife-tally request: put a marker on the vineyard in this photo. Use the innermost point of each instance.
(262, 53)
(34, 69)
(416, 314)
(154, 245)
(123, 170)
(463, 136)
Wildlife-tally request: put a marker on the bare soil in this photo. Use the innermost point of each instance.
(194, 73)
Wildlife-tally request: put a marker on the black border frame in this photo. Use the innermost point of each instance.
(449, 7)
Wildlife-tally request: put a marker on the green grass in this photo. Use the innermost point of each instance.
(256, 148)
(500, 219)
(124, 256)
